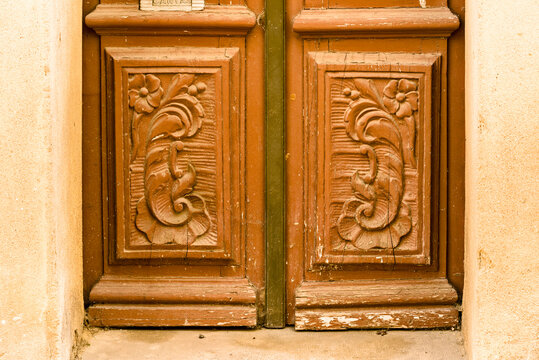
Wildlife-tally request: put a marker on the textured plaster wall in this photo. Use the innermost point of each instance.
(40, 178)
(501, 295)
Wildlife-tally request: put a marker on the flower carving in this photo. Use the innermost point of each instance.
(145, 93)
(400, 97)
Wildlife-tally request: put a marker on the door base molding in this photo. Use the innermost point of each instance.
(424, 303)
(120, 315)
(120, 301)
(404, 317)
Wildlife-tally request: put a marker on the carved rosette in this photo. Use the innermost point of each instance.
(170, 212)
(384, 126)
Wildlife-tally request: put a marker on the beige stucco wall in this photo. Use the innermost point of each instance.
(40, 202)
(40, 178)
(501, 295)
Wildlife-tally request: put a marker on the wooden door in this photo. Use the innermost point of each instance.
(194, 201)
(370, 159)
(174, 172)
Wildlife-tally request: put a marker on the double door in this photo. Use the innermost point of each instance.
(244, 167)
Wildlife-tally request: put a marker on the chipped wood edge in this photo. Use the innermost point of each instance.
(373, 318)
(412, 303)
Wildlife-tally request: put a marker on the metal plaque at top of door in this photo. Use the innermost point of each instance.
(175, 5)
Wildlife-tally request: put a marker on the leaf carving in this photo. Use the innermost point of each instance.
(367, 90)
(179, 85)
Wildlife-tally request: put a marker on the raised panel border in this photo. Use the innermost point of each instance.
(224, 61)
(321, 65)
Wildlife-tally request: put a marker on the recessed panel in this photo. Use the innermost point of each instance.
(370, 127)
(176, 164)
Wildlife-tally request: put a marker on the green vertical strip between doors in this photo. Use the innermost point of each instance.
(275, 164)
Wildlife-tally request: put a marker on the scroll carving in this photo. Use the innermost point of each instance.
(385, 128)
(170, 211)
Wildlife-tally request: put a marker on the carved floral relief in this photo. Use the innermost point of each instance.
(145, 93)
(384, 127)
(174, 150)
(372, 146)
(170, 210)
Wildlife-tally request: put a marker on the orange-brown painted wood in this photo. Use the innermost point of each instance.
(119, 19)
(122, 315)
(416, 317)
(375, 293)
(346, 68)
(375, 110)
(126, 290)
(174, 187)
(350, 4)
(389, 22)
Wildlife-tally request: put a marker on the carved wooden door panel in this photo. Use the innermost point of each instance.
(178, 238)
(184, 194)
(367, 200)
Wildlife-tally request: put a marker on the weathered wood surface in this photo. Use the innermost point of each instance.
(368, 152)
(401, 22)
(141, 289)
(368, 318)
(369, 293)
(115, 315)
(368, 182)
